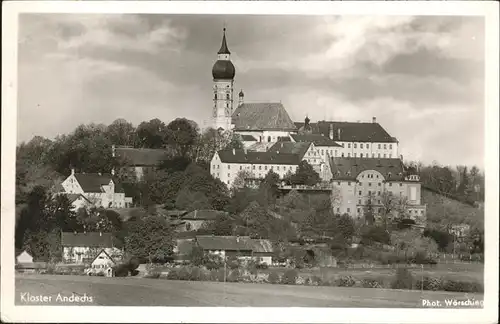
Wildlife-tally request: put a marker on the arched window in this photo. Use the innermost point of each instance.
(227, 96)
(215, 96)
(269, 138)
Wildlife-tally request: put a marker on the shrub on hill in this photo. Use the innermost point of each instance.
(403, 279)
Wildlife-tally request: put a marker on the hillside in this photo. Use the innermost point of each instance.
(444, 211)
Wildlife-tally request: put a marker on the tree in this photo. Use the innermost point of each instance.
(121, 132)
(371, 234)
(305, 175)
(411, 243)
(151, 134)
(181, 136)
(268, 189)
(388, 202)
(222, 225)
(149, 238)
(240, 179)
(209, 142)
(442, 238)
(369, 209)
(401, 207)
(235, 143)
(192, 200)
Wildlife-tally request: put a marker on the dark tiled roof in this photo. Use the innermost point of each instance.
(92, 182)
(284, 139)
(141, 156)
(351, 132)
(252, 157)
(262, 116)
(92, 239)
(290, 148)
(72, 196)
(184, 246)
(203, 215)
(317, 139)
(348, 168)
(231, 243)
(248, 138)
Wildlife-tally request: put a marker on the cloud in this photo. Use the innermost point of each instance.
(423, 77)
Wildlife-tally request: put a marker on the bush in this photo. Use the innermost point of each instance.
(197, 274)
(316, 281)
(429, 283)
(345, 281)
(184, 274)
(100, 274)
(462, 286)
(234, 276)
(273, 278)
(371, 283)
(173, 274)
(403, 279)
(262, 265)
(152, 275)
(134, 273)
(121, 270)
(289, 277)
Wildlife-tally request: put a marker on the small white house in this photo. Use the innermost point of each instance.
(23, 257)
(102, 262)
(82, 248)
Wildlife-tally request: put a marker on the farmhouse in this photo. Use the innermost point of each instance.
(224, 246)
(80, 248)
(135, 162)
(102, 190)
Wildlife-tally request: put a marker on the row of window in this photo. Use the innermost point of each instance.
(367, 146)
(381, 209)
(272, 167)
(369, 183)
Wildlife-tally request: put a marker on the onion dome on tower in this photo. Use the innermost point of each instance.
(223, 68)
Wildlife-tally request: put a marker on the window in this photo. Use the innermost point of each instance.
(278, 167)
(348, 210)
(348, 154)
(369, 184)
(359, 210)
(379, 199)
(335, 153)
(349, 183)
(390, 184)
(385, 155)
(349, 145)
(373, 155)
(390, 146)
(354, 154)
(359, 202)
(379, 146)
(265, 167)
(322, 152)
(342, 154)
(400, 184)
(385, 146)
(227, 96)
(355, 145)
(229, 166)
(218, 166)
(241, 167)
(227, 181)
(229, 175)
(338, 183)
(361, 155)
(361, 145)
(378, 193)
(379, 155)
(361, 184)
(253, 167)
(260, 167)
(367, 146)
(360, 192)
(369, 193)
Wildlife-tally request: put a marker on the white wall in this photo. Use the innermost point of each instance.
(222, 107)
(24, 257)
(368, 150)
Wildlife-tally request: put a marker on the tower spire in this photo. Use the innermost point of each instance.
(223, 47)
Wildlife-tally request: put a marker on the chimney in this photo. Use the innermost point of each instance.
(374, 119)
(234, 151)
(241, 97)
(338, 133)
(331, 131)
(72, 171)
(113, 153)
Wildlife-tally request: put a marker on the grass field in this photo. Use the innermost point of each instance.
(156, 292)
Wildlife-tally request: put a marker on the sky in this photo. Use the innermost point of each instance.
(421, 77)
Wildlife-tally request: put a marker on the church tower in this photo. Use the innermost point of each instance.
(223, 73)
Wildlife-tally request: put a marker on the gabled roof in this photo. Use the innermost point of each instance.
(203, 215)
(72, 197)
(262, 116)
(317, 139)
(100, 252)
(92, 239)
(228, 243)
(145, 157)
(93, 182)
(351, 132)
(290, 148)
(248, 138)
(251, 157)
(348, 168)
